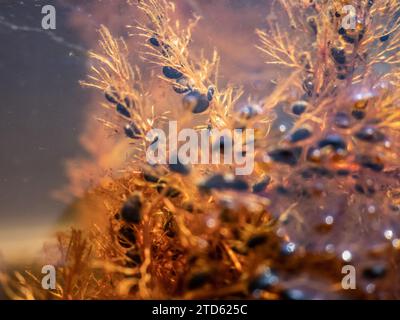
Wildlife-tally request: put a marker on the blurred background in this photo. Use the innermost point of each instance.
(52, 148)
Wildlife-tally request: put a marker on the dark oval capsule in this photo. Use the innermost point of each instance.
(182, 86)
(161, 186)
(262, 185)
(256, 241)
(210, 93)
(355, 176)
(154, 42)
(220, 182)
(111, 96)
(198, 280)
(394, 207)
(131, 211)
(374, 166)
(196, 102)
(322, 172)
(134, 256)
(375, 272)
(370, 163)
(370, 134)
(179, 167)
(122, 110)
(343, 173)
(172, 73)
(342, 120)
(263, 281)
(359, 188)
(170, 192)
(132, 131)
(150, 178)
(299, 107)
(214, 182)
(358, 114)
(347, 38)
(188, 206)
(280, 189)
(237, 184)
(129, 103)
(124, 243)
(333, 140)
(312, 22)
(300, 135)
(126, 235)
(286, 156)
(339, 55)
(342, 31)
(384, 37)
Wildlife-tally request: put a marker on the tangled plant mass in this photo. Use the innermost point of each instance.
(323, 194)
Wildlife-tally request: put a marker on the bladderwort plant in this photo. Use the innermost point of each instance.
(323, 194)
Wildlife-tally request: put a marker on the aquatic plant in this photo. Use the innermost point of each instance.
(324, 192)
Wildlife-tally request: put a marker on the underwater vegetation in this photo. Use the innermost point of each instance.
(324, 193)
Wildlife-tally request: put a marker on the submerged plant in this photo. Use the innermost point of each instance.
(324, 192)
